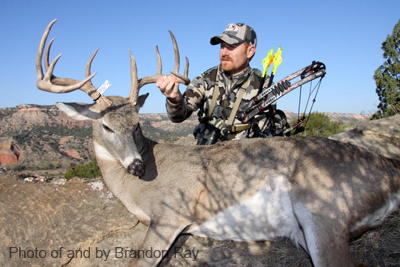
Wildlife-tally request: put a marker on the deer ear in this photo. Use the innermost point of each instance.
(141, 100)
(79, 111)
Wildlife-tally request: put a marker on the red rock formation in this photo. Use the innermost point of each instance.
(72, 154)
(9, 152)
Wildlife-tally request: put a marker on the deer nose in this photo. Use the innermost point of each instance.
(137, 167)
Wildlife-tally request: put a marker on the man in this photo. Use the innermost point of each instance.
(216, 91)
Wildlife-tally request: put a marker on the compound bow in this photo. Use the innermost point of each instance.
(276, 123)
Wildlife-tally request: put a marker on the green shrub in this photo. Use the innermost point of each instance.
(319, 124)
(89, 170)
(17, 167)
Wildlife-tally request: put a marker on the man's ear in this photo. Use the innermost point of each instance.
(79, 111)
(251, 50)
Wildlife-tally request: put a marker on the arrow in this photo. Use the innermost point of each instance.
(277, 58)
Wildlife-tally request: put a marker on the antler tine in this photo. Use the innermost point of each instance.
(101, 101)
(186, 73)
(50, 83)
(137, 84)
(134, 93)
(153, 79)
(47, 54)
(182, 79)
(176, 51)
(89, 66)
(39, 70)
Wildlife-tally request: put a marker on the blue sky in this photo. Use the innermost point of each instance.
(345, 35)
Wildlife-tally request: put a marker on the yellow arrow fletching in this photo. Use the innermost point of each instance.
(267, 61)
(277, 59)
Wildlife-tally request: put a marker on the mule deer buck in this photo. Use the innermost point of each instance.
(314, 191)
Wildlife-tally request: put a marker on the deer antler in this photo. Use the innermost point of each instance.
(50, 83)
(137, 84)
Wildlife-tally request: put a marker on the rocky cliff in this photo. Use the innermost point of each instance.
(42, 137)
(333, 116)
(30, 136)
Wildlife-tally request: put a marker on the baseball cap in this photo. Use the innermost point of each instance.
(236, 33)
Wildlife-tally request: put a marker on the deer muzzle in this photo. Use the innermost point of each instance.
(137, 168)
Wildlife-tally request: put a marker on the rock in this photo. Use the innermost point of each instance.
(9, 151)
(58, 217)
(380, 136)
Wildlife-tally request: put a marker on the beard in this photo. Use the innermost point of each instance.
(227, 63)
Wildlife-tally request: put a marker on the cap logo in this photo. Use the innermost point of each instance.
(232, 27)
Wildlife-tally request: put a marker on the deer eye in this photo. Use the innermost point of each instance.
(105, 127)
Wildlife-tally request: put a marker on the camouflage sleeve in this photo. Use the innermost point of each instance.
(192, 100)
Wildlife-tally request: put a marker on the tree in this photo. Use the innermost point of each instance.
(387, 76)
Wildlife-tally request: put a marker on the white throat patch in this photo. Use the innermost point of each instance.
(102, 152)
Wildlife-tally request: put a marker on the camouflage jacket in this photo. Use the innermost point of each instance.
(199, 92)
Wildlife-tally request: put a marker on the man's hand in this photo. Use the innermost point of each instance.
(169, 86)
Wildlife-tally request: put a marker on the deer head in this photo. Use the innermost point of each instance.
(116, 130)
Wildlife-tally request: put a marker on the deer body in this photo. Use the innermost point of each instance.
(314, 191)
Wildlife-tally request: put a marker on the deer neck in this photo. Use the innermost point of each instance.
(125, 186)
(114, 173)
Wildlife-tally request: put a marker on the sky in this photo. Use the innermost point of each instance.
(345, 35)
